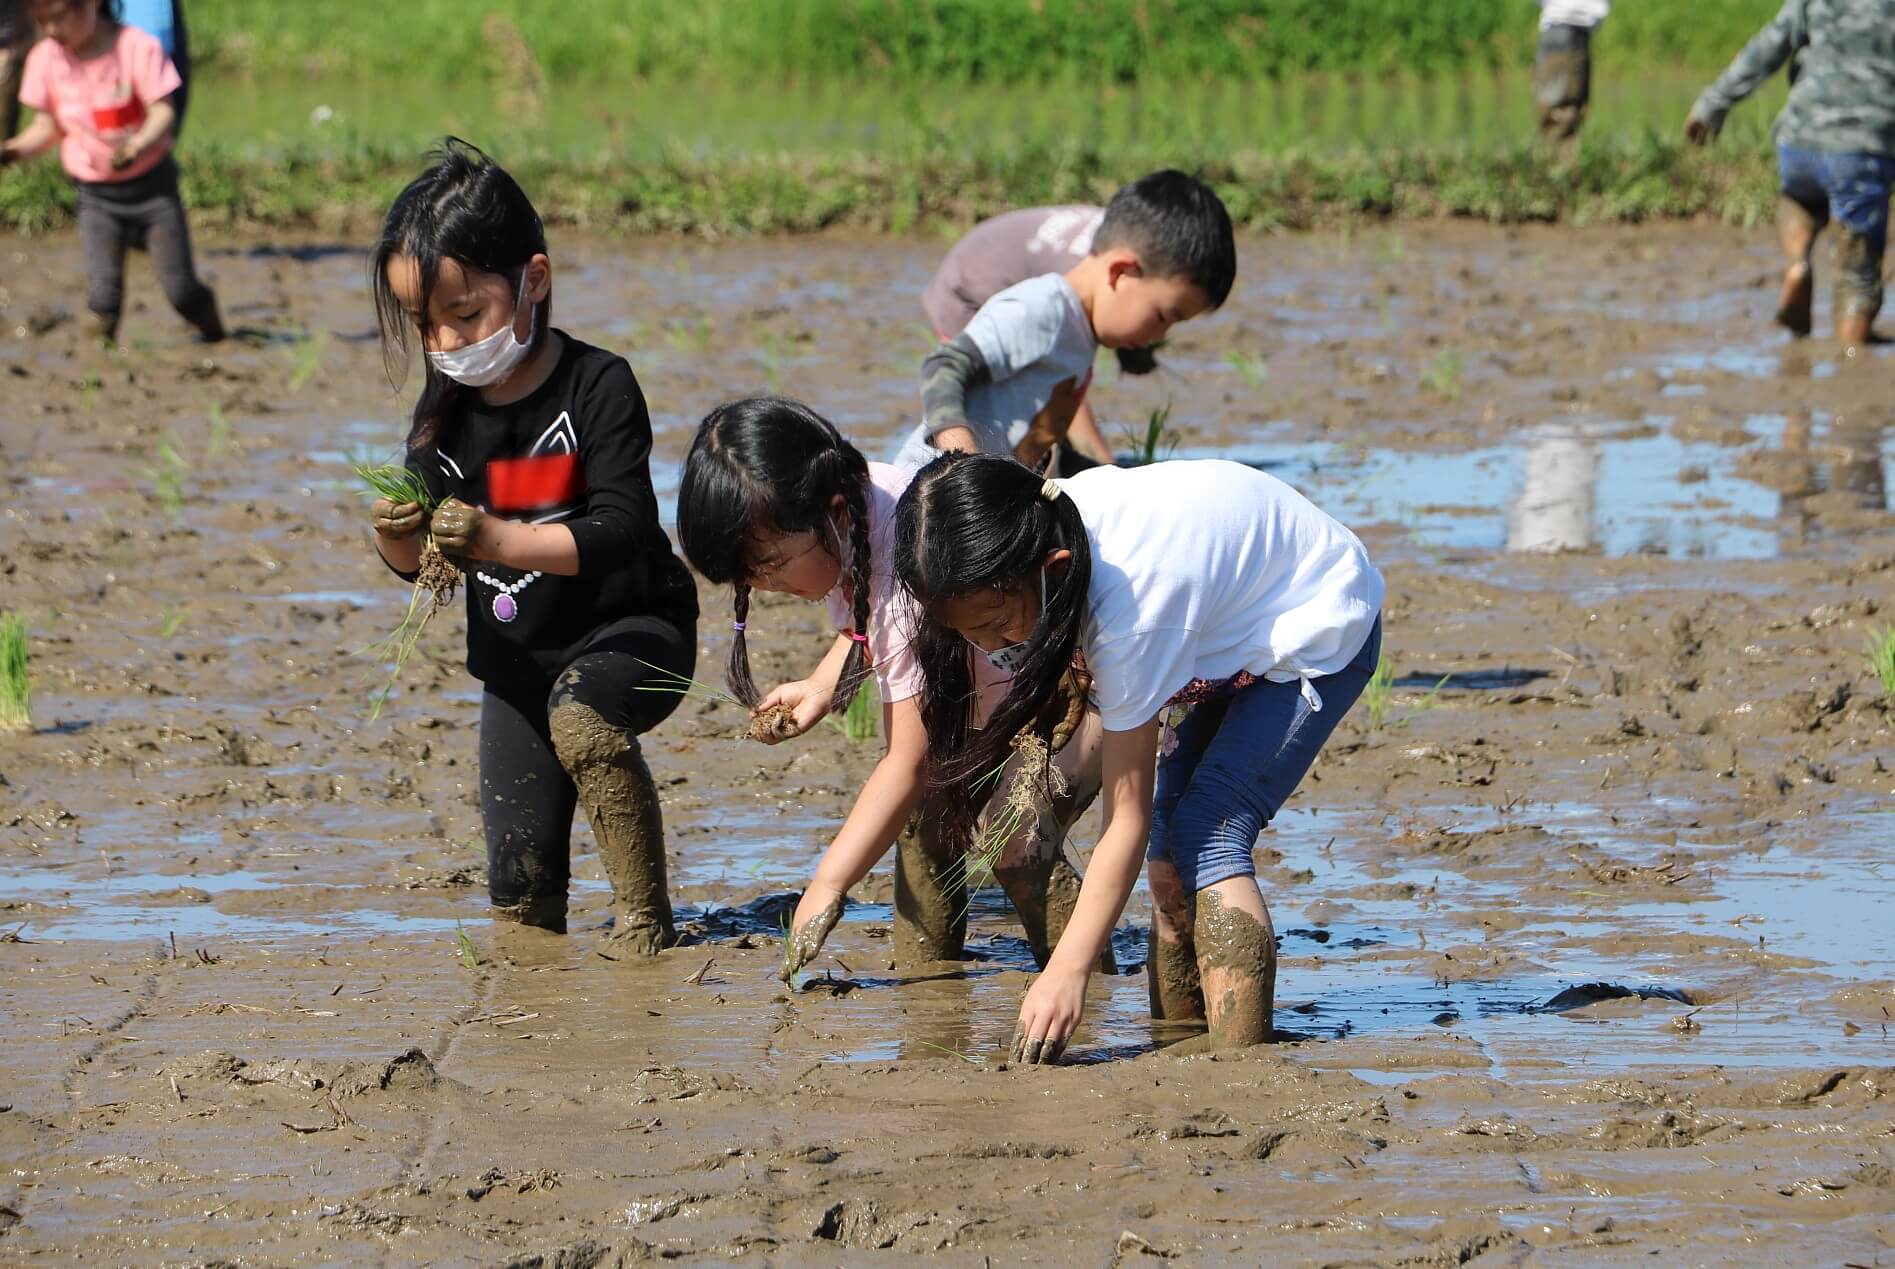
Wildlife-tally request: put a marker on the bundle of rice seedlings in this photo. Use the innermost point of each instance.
(1037, 783)
(16, 695)
(434, 584)
(774, 723)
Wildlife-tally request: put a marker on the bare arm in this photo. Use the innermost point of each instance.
(159, 120)
(40, 136)
(1085, 436)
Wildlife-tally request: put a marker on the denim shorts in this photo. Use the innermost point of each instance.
(1235, 761)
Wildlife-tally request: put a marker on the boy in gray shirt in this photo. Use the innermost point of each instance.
(1012, 380)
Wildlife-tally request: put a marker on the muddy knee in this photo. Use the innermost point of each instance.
(621, 800)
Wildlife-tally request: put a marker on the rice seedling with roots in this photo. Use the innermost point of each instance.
(16, 696)
(1037, 783)
(774, 723)
(435, 583)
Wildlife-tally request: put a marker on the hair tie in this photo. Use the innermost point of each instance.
(859, 638)
(1049, 490)
(738, 626)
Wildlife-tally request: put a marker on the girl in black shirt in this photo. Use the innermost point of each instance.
(538, 448)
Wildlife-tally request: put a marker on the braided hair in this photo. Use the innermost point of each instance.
(773, 465)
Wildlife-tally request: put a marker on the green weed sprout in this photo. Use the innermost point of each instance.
(434, 584)
(1157, 442)
(16, 696)
(1880, 654)
(1444, 377)
(470, 955)
(1252, 369)
(1380, 691)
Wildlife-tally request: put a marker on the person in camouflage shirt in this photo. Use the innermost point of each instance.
(1835, 145)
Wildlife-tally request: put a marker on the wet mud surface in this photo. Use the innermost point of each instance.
(1584, 953)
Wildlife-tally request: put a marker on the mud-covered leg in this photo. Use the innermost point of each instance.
(1858, 284)
(1236, 947)
(930, 898)
(1797, 228)
(621, 802)
(1171, 969)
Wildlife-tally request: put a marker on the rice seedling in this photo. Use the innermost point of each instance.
(1036, 783)
(1254, 370)
(167, 478)
(774, 723)
(470, 955)
(1381, 689)
(434, 585)
(858, 723)
(1880, 654)
(170, 621)
(1157, 442)
(219, 433)
(16, 696)
(973, 1058)
(308, 361)
(1443, 378)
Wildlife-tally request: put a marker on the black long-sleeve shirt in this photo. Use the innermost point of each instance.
(575, 452)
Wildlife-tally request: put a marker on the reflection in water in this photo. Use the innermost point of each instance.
(1848, 462)
(1559, 481)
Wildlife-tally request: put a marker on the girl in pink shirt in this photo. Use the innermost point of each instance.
(773, 498)
(103, 91)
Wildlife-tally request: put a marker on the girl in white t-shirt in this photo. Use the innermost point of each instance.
(773, 498)
(1227, 625)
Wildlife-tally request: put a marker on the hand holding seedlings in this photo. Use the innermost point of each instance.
(396, 520)
(456, 526)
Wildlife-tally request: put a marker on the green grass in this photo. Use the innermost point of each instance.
(1380, 691)
(1880, 655)
(1443, 376)
(167, 478)
(170, 622)
(16, 694)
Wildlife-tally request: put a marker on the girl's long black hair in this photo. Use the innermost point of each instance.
(970, 521)
(772, 465)
(464, 208)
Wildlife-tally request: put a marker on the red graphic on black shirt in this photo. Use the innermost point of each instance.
(548, 478)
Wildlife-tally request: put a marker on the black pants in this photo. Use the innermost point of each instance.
(147, 212)
(526, 798)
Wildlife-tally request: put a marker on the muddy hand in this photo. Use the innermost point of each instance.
(123, 157)
(395, 519)
(1048, 1017)
(807, 938)
(455, 526)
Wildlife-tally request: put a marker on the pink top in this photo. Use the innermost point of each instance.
(100, 101)
(893, 616)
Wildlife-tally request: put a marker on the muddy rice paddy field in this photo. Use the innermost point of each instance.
(1587, 955)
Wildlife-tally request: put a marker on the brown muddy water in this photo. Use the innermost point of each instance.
(1586, 955)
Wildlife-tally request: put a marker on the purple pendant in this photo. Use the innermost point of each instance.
(504, 608)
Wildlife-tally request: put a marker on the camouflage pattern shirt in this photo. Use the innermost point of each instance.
(1842, 76)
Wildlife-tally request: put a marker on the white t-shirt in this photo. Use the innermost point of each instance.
(1583, 13)
(1033, 336)
(893, 614)
(1204, 569)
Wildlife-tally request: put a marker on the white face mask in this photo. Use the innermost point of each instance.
(493, 358)
(1009, 659)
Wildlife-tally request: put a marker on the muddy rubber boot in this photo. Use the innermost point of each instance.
(541, 911)
(930, 899)
(202, 313)
(102, 327)
(1237, 965)
(621, 802)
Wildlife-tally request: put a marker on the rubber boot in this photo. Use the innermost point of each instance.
(930, 898)
(621, 802)
(202, 313)
(1237, 965)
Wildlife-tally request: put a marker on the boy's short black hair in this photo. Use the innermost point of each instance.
(1179, 228)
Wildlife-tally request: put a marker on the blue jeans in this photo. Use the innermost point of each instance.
(1854, 188)
(1237, 759)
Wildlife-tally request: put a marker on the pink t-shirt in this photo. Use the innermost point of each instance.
(893, 617)
(100, 101)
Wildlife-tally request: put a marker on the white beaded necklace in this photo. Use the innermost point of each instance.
(505, 606)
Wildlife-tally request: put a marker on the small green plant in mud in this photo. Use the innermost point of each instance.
(1157, 442)
(167, 478)
(219, 437)
(858, 723)
(1381, 689)
(169, 621)
(1036, 782)
(16, 694)
(689, 335)
(770, 353)
(774, 723)
(1443, 377)
(434, 584)
(470, 955)
(1252, 369)
(1880, 654)
(308, 360)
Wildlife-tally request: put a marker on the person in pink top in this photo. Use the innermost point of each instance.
(103, 93)
(773, 498)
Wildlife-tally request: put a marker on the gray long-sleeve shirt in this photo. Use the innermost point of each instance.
(1842, 73)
